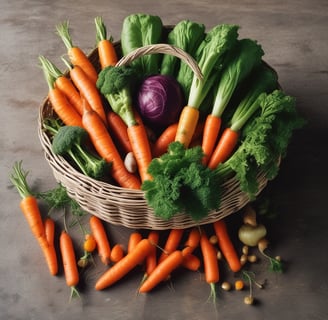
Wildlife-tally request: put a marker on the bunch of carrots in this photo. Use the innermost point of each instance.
(159, 261)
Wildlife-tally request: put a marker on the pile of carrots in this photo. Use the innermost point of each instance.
(159, 261)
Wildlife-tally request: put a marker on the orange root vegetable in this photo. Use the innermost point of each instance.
(106, 50)
(99, 233)
(125, 265)
(226, 246)
(69, 262)
(187, 125)
(134, 239)
(211, 131)
(118, 130)
(31, 211)
(49, 230)
(117, 253)
(88, 91)
(76, 55)
(172, 243)
(191, 262)
(151, 259)
(141, 149)
(106, 148)
(162, 271)
(224, 148)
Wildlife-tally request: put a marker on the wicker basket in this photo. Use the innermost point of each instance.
(125, 207)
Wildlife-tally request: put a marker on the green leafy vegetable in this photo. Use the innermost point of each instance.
(264, 141)
(139, 30)
(182, 184)
(262, 80)
(210, 56)
(245, 57)
(186, 35)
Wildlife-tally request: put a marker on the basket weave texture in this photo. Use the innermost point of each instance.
(127, 207)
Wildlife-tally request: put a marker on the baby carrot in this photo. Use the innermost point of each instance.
(210, 261)
(99, 233)
(118, 130)
(59, 102)
(49, 230)
(211, 130)
(88, 90)
(151, 259)
(191, 262)
(162, 271)
(224, 148)
(106, 50)
(125, 265)
(193, 239)
(63, 83)
(134, 239)
(117, 253)
(187, 125)
(172, 243)
(226, 245)
(69, 262)
(76, 55)
(162, 142)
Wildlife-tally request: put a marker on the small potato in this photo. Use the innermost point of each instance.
(130, 162)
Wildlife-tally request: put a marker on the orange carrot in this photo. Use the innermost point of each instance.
(141, 149)
(224, 148)
(76, 55)
(226, 245)
(187, 125)
(117, 253)
(172, 243)
(30, 209)
(190, 261)
(59, 102)
(134, 239)
(100, 235)
(73, 96)
(193, 239)
(162, 271)
(211, 267)
(118, 130)
(63, 83)
(211, 131)
(106, 50)
(88, 90)
(125, 265)
(49, 230)
(69, 262)
(151, 259)
(167, 136)
(89, 244)
(106, 148)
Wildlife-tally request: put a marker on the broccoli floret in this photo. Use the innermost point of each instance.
(113, 79)
(68, 140)
(116, 84)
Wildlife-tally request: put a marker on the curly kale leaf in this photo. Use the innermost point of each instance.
(181, 183)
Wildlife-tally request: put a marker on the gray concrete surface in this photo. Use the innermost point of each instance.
(294, 36)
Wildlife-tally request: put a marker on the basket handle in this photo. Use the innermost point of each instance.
(164, 49)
